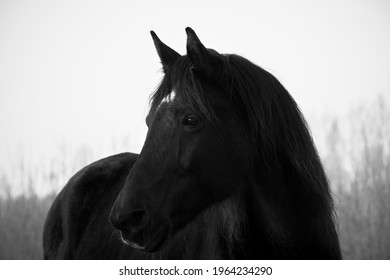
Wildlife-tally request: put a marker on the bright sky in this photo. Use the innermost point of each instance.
(79, 73)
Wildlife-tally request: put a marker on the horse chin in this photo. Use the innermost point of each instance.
(132, 244)
(155, 244)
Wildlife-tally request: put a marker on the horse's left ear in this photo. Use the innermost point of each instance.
(167, 55)
(197, 53)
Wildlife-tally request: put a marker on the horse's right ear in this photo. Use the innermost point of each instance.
(167, 55)
(197, 53)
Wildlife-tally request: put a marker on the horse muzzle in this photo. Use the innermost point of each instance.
(136, 231)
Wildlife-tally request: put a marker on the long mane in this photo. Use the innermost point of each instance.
(276, 121)
(284, 143)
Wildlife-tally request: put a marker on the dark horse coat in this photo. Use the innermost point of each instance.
(228, 171)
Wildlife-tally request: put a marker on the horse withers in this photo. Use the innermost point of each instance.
(228, 170)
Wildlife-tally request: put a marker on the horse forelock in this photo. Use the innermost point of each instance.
(181, 79)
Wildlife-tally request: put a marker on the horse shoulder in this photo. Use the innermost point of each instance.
(83, 206)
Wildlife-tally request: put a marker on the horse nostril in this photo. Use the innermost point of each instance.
(137, 218)
(114, 221)
(134, 220)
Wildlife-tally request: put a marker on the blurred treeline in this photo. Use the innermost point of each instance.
(355, 153)
(21, 224)
(357, 162)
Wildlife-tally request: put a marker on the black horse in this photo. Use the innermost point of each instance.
(228, 171)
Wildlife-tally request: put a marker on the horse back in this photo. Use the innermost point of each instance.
(77, 225)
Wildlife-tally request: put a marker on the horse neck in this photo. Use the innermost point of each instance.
(271, 216)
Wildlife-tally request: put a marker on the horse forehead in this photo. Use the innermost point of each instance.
(169, 98)
(166, 105)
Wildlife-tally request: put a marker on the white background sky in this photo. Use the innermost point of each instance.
(79, 73)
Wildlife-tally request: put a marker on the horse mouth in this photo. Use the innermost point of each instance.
(155, 244)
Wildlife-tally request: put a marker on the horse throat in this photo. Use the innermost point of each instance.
(216, 233)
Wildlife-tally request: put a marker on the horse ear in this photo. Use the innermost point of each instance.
(167, 55)
(197, 53)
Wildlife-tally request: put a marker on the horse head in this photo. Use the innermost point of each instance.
(195, 153)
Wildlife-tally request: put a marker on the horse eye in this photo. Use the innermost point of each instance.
(191, 120)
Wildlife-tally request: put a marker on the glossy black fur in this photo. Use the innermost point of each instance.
(228, 171)
(77, 225)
